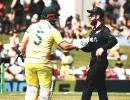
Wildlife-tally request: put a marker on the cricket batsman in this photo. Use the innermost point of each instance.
(36, 45)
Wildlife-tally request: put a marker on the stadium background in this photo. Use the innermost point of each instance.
(72, 7)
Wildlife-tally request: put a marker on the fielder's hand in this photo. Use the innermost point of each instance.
(99, 52)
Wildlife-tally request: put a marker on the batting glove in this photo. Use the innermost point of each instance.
(79, 43)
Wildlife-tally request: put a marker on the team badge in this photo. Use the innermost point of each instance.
(97, 31)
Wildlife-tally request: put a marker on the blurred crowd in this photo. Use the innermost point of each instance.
(18, 17)
(66, 71)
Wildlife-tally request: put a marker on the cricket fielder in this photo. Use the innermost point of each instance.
(100, 40)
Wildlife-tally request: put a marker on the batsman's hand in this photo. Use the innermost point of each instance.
(99, 51)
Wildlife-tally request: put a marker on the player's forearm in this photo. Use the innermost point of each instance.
(66, 46)
(23, 48)
(24, 43)
(87, 48)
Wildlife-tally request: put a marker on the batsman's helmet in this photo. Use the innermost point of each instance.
(49, 12)
(97, 11)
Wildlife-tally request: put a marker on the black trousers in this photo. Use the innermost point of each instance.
(96, 79)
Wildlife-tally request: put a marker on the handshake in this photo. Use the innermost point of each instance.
(80, 43)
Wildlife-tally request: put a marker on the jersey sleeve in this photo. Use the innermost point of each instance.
(111, 40)
(57, 36)
(87, 48)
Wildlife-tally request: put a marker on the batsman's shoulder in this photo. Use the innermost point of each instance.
(55, 31)
(31, 27)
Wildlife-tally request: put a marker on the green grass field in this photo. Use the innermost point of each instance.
(67, 96)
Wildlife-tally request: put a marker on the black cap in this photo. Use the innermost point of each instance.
(96, 11)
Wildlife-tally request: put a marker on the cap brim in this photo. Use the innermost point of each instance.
(90, 11)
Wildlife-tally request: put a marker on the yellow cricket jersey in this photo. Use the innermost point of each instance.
(42, 35)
